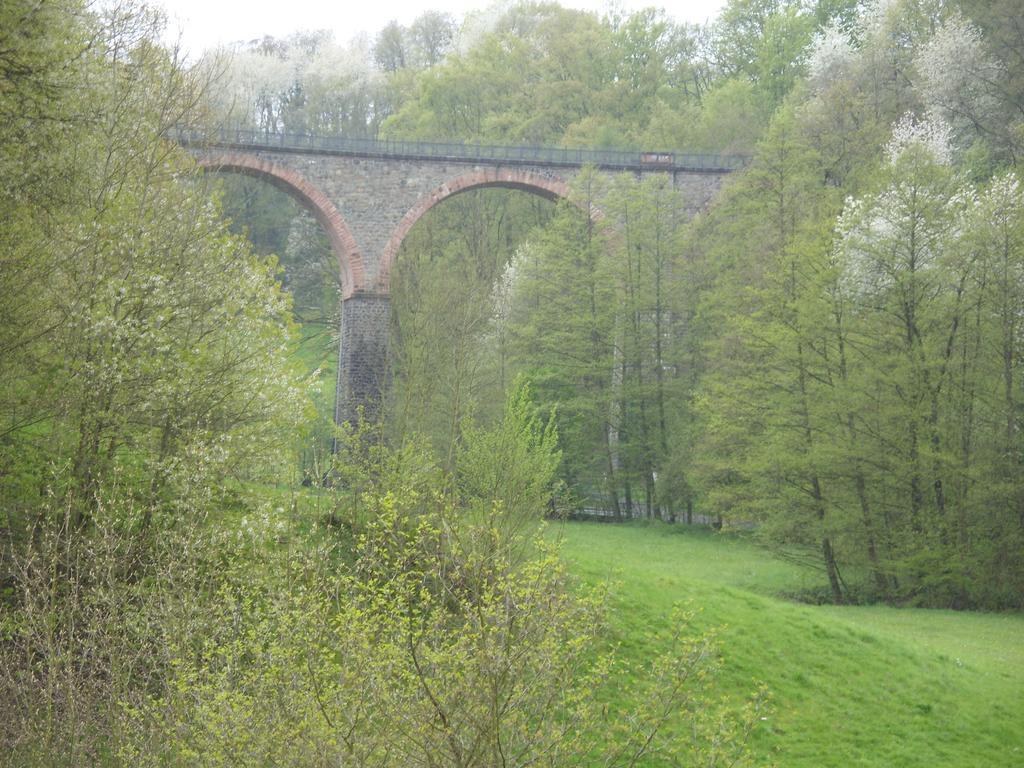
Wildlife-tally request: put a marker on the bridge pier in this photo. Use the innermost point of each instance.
(363, 367)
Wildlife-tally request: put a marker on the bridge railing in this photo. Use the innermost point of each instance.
(606, 158)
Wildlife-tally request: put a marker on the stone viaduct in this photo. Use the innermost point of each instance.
(367, 195)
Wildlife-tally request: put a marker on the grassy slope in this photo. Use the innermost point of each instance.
(867, 686)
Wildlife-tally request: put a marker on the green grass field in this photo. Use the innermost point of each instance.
(852, 686)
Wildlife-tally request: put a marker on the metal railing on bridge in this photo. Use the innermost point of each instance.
(617, 159)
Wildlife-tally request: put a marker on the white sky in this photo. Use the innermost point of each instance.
(206, 23)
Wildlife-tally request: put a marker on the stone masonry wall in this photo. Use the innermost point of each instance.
(363, 369)
(374, 196)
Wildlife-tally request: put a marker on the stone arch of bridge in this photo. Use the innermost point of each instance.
(343, 244)
(548, 187)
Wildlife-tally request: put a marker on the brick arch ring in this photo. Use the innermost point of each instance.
(343, 244)
(550, 188)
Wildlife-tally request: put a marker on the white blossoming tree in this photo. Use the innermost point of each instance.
(960, 82)
(306, 83)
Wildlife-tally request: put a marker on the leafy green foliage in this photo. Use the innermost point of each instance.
(505, 477)
(152, 348)
(449, 341)
(146, 358)
(853, 352)
(445, 637)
